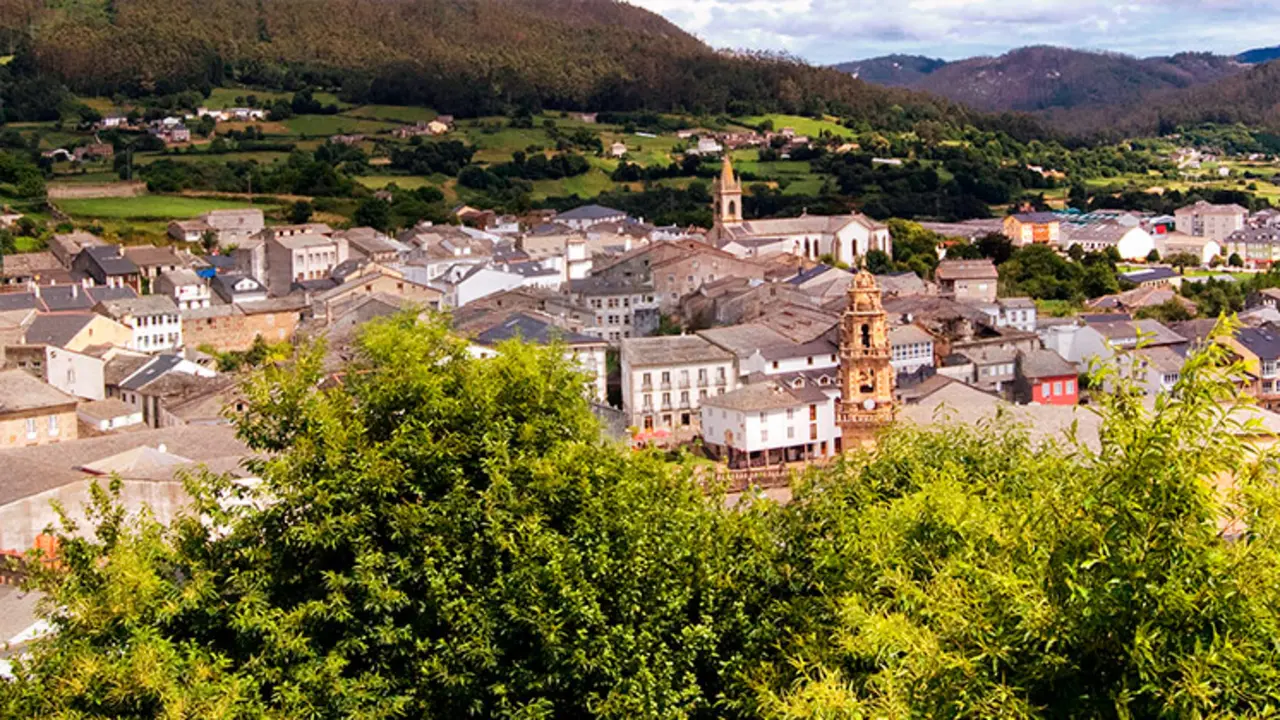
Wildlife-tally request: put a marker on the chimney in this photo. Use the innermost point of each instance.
(162, 448)
(75, 291)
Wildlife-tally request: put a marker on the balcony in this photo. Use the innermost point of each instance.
(702, 382)
(667, 406)
(665, 385)
(684, 385)
(722, 381)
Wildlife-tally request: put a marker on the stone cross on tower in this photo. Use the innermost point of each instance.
(866, 376)
(728, 195)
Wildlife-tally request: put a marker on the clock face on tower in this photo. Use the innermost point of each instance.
(869, 404)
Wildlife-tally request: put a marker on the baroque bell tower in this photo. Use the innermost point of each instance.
(866, 376)
(728, 195)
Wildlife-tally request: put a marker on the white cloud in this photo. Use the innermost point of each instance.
(826, 31)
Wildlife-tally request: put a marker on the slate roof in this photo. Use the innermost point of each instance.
(32, 263)
(57, 328)
(151, 255)
(589, 212)
(224, 285)
(181, 277)
(908, 334)
(529, 329)
(764, 396)
(121, 367)
(1164, 358)
(19, 301)
(1150, 275)
(1126, 332)
(151, 371)
(672, 350)
(812, 273)
(1263, 342)
(902, 283)
(750, 338)
(20, 391)
(371, 242)
(73, 297)
(1044, 364)
(305, 240)
(34, 470)
(966, 270)
(110, 260)
(1039, 218)
(140, 306)
(106, 409)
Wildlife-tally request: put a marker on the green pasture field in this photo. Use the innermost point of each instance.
(146, 207)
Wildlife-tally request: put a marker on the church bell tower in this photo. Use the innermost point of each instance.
(866, 377)
(728, 195)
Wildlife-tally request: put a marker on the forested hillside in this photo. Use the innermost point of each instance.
(1039, 78)
(892, 70)
(468, 57)
(1252, 97)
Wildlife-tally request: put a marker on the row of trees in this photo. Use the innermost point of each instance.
(449, 537)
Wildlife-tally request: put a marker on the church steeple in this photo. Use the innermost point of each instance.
(866, 375)
(728, 195)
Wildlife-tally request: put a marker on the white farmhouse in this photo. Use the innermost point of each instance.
(771, 422)
(666, 379)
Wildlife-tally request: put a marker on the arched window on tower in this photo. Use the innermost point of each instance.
(866, 336)
(733, 209)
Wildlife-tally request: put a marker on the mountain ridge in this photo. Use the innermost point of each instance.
(1040, 77)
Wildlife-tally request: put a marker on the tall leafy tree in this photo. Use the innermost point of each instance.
(442, 536)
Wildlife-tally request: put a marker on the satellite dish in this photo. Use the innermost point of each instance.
(869, 404)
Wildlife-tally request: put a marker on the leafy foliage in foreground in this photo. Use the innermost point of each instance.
(447, 537)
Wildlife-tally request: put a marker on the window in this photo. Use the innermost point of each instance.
(684, 378)
(791, 413)
(811, 360)
(764, 434)
(1044, 390)
(791, 433)
(702, 394)
(647, 380)
(666, 400)
(648, 401)
(764, 417)
(1057, 389)
(1071, 387)
(720, 374)
(666, 377)
(53, 426)
(702, 376)
(813, 432)
(684, 397)
(775, 364)
(813, 413)
(31, 428)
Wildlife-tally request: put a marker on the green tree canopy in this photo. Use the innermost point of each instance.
(442, 536)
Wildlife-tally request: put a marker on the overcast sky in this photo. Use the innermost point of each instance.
(831, 31)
